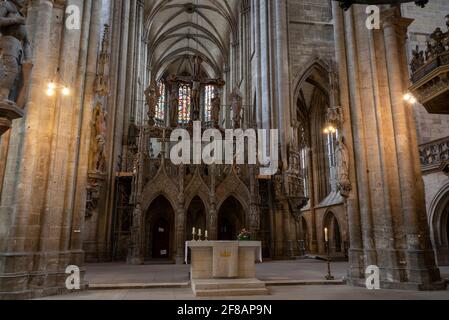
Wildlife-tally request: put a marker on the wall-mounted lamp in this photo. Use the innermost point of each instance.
(408, 97)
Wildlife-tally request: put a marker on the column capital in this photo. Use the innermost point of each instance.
(392, 18)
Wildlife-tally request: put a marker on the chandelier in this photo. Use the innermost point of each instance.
(346, 4)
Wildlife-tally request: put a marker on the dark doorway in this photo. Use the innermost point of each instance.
(226, 232)
(335, 242)
(231, 220)
(159, 230)
(447, 228)
(161, 239)
(196, 217)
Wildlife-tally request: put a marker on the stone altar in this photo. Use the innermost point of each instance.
(225, 268)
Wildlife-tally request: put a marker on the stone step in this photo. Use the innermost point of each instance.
(232, 292)
(227, 284)
(131, 286)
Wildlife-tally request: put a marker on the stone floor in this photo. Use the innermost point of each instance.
(273, 270)
(276, 293)
(268, 271)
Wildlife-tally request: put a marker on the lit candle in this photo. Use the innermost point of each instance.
(193, 231)
(326, 234)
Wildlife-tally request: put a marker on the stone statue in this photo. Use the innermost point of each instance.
(101, 86)
(429, 51)
(342, 167)
(98, 150)
(216, 108)
(15, 51)
(236, 105)
(196, 87)
(15, 64)
(438, 37)
(152, 96)
(174, 108)
(417, 60)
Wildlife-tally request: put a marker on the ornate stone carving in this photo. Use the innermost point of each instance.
(434, 155)
(437, 45)
(294, 183)
(346, 4)
(15, 66)
(174, 107)
(342, 157)
(334, 117)
(236, 104)
(216, 108)
(418, 59)
(152, 96)
(102, 78)
(98, 163)
(94, 188)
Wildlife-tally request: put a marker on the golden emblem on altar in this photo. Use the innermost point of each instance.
(225, 254)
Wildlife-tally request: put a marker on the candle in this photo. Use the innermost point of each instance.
(206, 234)
(193, 231)
(199, 232)
(326, 234)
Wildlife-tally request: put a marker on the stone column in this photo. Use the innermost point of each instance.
(23, 192)
(421, 267)
(351, 203)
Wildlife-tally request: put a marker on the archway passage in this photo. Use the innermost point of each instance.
(196, 217)
(440, 228)
(230, 220)
(161, 239)
(159, 230)
(334, 234)
(304, 236)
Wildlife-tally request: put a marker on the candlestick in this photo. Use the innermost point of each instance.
(206, 235)
(193, 234)
(199, 234)
(329, 273)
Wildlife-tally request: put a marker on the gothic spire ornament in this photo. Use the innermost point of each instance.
(346, 4)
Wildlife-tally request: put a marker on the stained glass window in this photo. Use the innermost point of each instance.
(162, 105)
(185, 94)
(209, 94)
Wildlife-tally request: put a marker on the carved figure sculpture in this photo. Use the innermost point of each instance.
(174, 108)
(342, 167)
(216, 108)
(152, 96)
(236, 107)
(15, 52)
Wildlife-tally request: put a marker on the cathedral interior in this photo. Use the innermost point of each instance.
(92, 91)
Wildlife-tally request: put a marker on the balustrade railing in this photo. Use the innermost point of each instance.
(434, 154)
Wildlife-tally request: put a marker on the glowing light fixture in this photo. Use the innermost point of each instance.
(50, 92)
(66, 91)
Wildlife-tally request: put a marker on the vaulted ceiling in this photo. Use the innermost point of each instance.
(176, 30)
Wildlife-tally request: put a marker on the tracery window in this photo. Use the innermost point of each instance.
(303, 154)
(209, 94)
(162, 104)
(331, 144)
(185, 94)
(304, 170)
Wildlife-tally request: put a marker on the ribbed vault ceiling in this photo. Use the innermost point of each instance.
(176, 30)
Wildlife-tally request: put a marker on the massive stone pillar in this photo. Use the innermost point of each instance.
(41, 211)
(392, 223)
(351, 204)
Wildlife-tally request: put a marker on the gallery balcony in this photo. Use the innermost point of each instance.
(430, 73)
